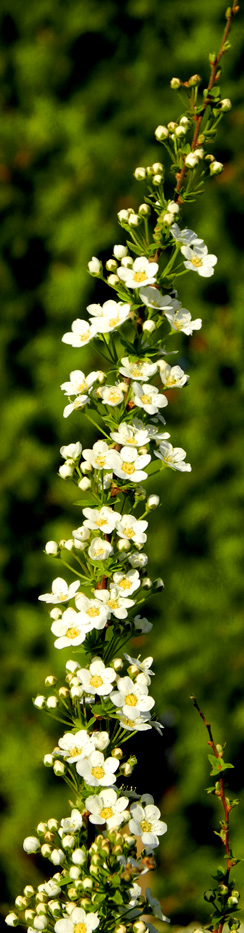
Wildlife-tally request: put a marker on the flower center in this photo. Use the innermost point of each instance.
(73, 752)
(196, 261)
(140, 276)
(113, 603)
(100, 522)
(146, 399)
(96, 681)
(129, 532)
(100, 461)
(78, 403)
(114, 321)
(124, 584)
(98, 773)
(83, 337)
(128, 467)
(114, 395)
(72, 632)
(106, 813)
(80, 928)
(131, 700)
(81, 386)
(93, 611)
(145, 826)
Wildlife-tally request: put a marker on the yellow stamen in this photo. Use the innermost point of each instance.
(98, 773)
(106, 813)
(131, 700)
(96, 681)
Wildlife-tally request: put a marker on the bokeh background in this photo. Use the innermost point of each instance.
(83, 85)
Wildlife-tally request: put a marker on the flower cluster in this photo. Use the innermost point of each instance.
(106, 698)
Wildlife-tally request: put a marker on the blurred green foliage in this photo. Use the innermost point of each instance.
(83, 86)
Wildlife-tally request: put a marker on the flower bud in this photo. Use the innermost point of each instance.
(147, 583)
(158, 584)
(232, 901)
(144, 210)
(119, 251)
(120, 928)
(95, 266)
(84, 483)
(172, 126)
(139, 926)
(225, 104)
(180, 131)
(111, 265)
(51, 547)
(117, 753)
(194, 80)
(157, 167)
(29, 891)
(157, 179)
(46, 850)
(52, 702)
(21, 902)
(87, 884)
(127, 261)
(41, 829)
(123, 544)
(50, 681)
(126, 769)
(63, 692)
(69, 544)
(140, 173)
(40, 923)
(29, 915)
(184, 121)
(117, 664)
(78, 857)
(134, 220)
(175, 83)
(66, 469)
(59, 768)
(161, 132)
(123, 217)
(152, 502)
(48, 761)
(55, 908)
(12, 920)
(31, 844)
(191, 160)
(57, 856)
(216, 167)
(39, 701)
(148, 327)
(74, 872)
(113, 280)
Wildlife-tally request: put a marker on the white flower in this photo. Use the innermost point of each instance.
(91, 612)
(148, 397)
(127, 582)
(129, 527)
(104, 518)
(173, 457)
(181, 320)
(135, 434)
(107, 807)
(116, 604)
(70, 824)
(185, 237)
(139, 724)
(98, 679)
(77, 922)
(75, 745)
(70, 629)
(151, 297)
(108, 316)
(138, 560)
(172, 377)
(98, 455)
(72, 451)
(95, 266)
(31, 844)
(81, 333)
(199, 260)
(100, 549)
(142, 624)
(81, 534)
(119, 251)
(137, 369)
(132, 698)
(51, 888)
(61, 592)
(127, 464)
(142, 272)
(143, 666)
(79, 402)
(146, 822)
(79, 383)
(97, 770)
(111, 395)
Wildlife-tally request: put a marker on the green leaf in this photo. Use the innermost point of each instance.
(86, 500)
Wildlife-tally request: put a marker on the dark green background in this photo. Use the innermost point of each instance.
(83, 86)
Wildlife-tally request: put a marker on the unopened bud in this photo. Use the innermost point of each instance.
(152, 502)
(119, 251)
(59, 768)
(161, 132)
(195, 79)
(140, 173)
(48, 761)
(225, 104)
(111, 265)
(29, 891)
(139, 926)
(157, 179)
(95, 266)
(144, 210)
(52, 702)
(51, 547)
(148, 327)
(39, 701)
(31, 844)
(46, 850)
(113, 280)
(175, 83)
(50, 681)
(117, 753)
(216, 168)
(134, 220)
(12, 920)
(84, 483)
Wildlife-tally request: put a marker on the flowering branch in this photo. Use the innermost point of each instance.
(105, 698)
